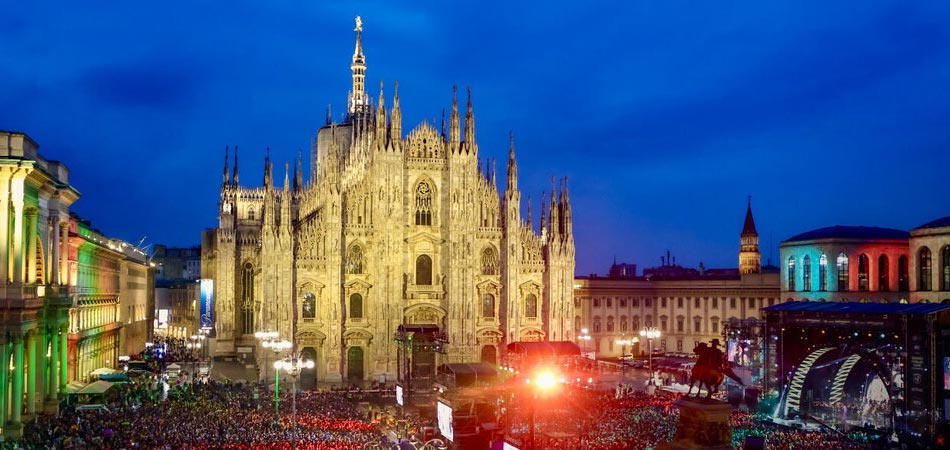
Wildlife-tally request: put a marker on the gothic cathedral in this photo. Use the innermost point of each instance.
(391, 232)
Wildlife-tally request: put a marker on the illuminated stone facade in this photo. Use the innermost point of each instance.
(930, 262)
(35, 196)
(111, 291)
(390, 229)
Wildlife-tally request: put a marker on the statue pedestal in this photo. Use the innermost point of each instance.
(703, 424)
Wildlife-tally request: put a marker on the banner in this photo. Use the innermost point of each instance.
(207, 303)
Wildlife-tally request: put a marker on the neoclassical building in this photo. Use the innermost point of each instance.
(930, 261)
(868, 264)
(391, 230)
(35, 196)
(686, 305)
(846, 263)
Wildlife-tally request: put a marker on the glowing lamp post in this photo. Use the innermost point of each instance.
(650, 333)
(623, 343)
(293, 365)
(544, 382)
(584, 338)
(271, 340)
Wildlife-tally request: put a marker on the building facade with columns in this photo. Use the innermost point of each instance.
(110, 291)
(391, 230)
(686, 305)
(35, 196)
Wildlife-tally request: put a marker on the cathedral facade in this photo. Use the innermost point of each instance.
(391, 234)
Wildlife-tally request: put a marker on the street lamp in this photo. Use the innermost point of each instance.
(650, 333)
(271, 340)
(544, 381)
(585, 338)
(623, 343)
(293, 365)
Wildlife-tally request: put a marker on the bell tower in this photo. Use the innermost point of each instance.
(750, 260)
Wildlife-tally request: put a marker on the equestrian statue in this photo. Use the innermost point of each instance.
(710, 370)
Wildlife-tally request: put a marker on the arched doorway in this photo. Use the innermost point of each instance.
(308, 377)
(488, 354)
(354, 364)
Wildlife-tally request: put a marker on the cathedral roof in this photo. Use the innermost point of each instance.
(939, 223)
(850, 232)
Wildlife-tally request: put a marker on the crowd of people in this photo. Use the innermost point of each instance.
(205, 416)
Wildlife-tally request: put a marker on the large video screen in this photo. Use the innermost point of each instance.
(399, 395)
(444, 413)
(946, 372)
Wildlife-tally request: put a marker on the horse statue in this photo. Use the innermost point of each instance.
(710, 370)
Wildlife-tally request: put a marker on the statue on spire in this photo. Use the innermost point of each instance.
(359, 24)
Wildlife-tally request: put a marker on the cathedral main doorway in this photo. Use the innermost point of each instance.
(488, 354)
(354, 364)
(308, 377)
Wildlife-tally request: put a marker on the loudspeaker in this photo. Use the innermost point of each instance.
(754, 443)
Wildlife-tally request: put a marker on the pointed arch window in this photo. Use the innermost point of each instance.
(863, 264)
(926, 270)
(903, 277)
(488, 306)
(883, 273)
(423, 194)
(822, 272)
(489, 261)
(945, 268)
(424, 270)
(356, 306)
(806, 273)
(790, 273)
(355, 261)
(841, 266)
(531, 306)
(247, 298)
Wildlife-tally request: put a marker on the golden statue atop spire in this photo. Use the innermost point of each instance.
(359, 24)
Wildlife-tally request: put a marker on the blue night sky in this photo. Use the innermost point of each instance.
(665, 114)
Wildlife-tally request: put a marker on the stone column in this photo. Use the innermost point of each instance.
(5, 253)
(31, 374)
(63, 357)
(18, 259)
(31, 247)
(64, 252)
(52, 387)
(16, 400)
(4, 380)
(53, 260)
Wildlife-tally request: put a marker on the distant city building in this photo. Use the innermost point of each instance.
(177, 263)
(112, 295)
(35, 196)
(392, 234)
(177, 290)
(176, 307)
(687, 305)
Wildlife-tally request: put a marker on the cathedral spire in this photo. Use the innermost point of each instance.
(555, 224)
(470, 123)
(298, 170)
(395, 123)
(512, 164)
(566, 208)
(358, 102)
(268, 171)
(528, 214)
(454, 125)
(226, 175)
(749, 226)
(235, 177)
(381, 120)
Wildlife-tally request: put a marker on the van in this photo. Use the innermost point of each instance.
(94, 407)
